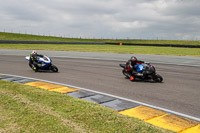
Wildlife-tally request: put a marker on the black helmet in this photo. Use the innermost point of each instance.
(133, 58)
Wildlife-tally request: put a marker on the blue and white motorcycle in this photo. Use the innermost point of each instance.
(44, 63)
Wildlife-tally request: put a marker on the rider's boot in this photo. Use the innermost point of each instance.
(35, 68)
(132, 78)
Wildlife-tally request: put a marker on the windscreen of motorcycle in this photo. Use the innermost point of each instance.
(45, 59)
(27, 58)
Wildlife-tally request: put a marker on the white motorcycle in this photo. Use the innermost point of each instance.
(44, 63)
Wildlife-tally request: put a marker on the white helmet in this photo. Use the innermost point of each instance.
(34, 52)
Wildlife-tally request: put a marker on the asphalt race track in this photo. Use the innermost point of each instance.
(180, 91)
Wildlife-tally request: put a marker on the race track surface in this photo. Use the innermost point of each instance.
(180, 91)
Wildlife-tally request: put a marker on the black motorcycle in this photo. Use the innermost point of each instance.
(147, 72)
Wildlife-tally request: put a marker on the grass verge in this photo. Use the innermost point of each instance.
(108, 49)
(28, 109)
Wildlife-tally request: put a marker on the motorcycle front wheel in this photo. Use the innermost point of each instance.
(54, 68)
(158, 78)
(125, 74)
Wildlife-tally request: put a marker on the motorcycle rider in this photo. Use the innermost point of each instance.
(130, 67)
(33, 62)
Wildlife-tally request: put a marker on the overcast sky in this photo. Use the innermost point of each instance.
(117, 19)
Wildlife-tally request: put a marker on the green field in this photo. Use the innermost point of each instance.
(107, 49)
(101, 48)
(28, 109)
(15, 36)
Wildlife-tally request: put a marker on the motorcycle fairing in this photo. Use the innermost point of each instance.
(139, 68)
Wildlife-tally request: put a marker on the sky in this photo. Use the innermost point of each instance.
(103, 19)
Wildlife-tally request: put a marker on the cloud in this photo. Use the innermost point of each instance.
(144, 19)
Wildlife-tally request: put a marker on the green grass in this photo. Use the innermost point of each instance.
(136, 41)
(101, 48)
(28, 109)
(108, 49)
(16, 36)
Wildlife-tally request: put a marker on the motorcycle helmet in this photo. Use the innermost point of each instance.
(34, 53)
(133, 58)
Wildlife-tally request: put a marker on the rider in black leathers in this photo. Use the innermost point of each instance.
(130, 67)
(33, 62)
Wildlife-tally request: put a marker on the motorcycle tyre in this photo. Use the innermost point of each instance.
(125, 74)
(54, 68)
(158, 78)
